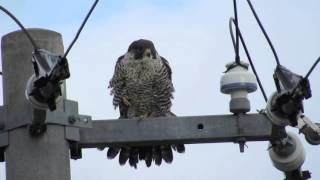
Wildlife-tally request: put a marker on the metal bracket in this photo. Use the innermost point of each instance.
(241, 140)
(75, 150)
(68, 117)
(73, 136)
(72, 120)
(3, 113)
(298, 175)
(4, 142)
(72, 133)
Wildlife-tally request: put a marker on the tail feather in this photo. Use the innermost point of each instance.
(142, 154)
(157, 155)
(133, 157)
(112, 152)
(179, 148)
(124, 155)
(166, 153)
(148, 156)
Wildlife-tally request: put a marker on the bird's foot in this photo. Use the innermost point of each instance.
(143, 116)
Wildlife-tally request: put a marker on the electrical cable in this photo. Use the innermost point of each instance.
(308, 74)
(312, 68)
(80, 29)
(264, 32)
(231, 34)
(232, 21)
(237, 56)
(21, 26)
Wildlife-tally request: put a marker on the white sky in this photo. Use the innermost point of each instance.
(194, 37)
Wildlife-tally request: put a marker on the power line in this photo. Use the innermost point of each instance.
(232, 21)
(80, 29)
(21, 26)
(312, 68)
(237, 56)
(264, 32)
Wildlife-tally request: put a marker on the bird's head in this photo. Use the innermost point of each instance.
(142, 48)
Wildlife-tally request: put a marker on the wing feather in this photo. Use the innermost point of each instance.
(117, 84)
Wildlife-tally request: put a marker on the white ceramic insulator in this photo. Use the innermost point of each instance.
(241, 93)
(275, 118)
(291, 161)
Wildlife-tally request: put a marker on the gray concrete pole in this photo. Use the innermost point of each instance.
(27, 158)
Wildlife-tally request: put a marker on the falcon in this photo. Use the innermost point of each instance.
(142, 88)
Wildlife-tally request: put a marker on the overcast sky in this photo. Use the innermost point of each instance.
(194, 37)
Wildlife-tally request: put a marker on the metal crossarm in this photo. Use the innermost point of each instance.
(186, 130)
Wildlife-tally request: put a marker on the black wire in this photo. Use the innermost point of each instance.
(307, 75)
(248, 55)
(237, 56)
(0, 73)
(312, 68)
(80, 29)
(231, 34)
(264, 32)
(20, 25)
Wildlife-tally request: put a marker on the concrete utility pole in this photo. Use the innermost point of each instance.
(45, 157)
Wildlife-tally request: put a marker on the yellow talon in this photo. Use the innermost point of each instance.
(143, 116)
(125, 100)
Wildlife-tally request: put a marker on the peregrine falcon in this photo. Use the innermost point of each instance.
(142, 88)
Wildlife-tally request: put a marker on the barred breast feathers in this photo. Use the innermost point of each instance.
(145, 77)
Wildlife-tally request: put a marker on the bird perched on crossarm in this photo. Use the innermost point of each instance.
(142, 88)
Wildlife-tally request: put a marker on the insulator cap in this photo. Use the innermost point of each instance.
(238, 82)
(237, 78)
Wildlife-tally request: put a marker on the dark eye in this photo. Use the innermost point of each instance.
(148, 54)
